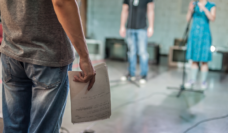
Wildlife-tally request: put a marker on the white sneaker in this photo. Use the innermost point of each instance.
(142, 80)
(189, 84)
(128, 77)
(123, 78)
(133, 78)
(204, 85)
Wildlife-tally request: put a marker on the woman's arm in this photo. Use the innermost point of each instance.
(211, 15)
(190, 11)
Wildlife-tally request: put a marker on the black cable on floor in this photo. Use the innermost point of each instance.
(131, 102)
(144, 98)
(203, 121)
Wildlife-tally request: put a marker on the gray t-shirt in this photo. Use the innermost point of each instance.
(33, 34)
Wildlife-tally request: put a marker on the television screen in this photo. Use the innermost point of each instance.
(179, 55)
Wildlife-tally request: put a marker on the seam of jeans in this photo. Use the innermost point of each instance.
(66, 87)
(56, 125)
(48, 86)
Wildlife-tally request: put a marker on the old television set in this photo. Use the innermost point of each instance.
(177, 56)
(95, 48)
(116, 49)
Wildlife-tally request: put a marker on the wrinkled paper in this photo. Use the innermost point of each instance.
(90, 105)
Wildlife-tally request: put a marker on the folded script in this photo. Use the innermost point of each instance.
(90, 105)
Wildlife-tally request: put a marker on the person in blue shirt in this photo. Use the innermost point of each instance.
(200, 40)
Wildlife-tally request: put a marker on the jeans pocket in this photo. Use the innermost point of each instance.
(47, 77)
(40, 85)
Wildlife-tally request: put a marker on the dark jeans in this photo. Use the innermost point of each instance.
(33, 96)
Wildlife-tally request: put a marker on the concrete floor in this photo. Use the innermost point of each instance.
(152, 108)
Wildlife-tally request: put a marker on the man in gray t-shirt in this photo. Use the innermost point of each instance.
(37, 52)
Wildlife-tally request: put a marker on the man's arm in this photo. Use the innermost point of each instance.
(68, 15)
(150, 15)
(124, 16)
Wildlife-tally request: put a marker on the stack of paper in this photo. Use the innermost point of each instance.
(94, 104)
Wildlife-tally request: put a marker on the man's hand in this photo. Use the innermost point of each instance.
(123, 32)
(88, 73)
(150, 32)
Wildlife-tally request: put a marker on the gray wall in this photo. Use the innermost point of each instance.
(170, 23)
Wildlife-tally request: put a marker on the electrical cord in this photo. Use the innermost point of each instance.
(159, 93)
(151, 95)
(141, 99)
(204, 121)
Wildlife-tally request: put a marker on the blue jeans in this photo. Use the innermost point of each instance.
(137, 43)
(33, 96)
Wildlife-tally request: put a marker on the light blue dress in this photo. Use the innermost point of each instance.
(199, 41)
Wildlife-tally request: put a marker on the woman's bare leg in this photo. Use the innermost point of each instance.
(204, 67)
